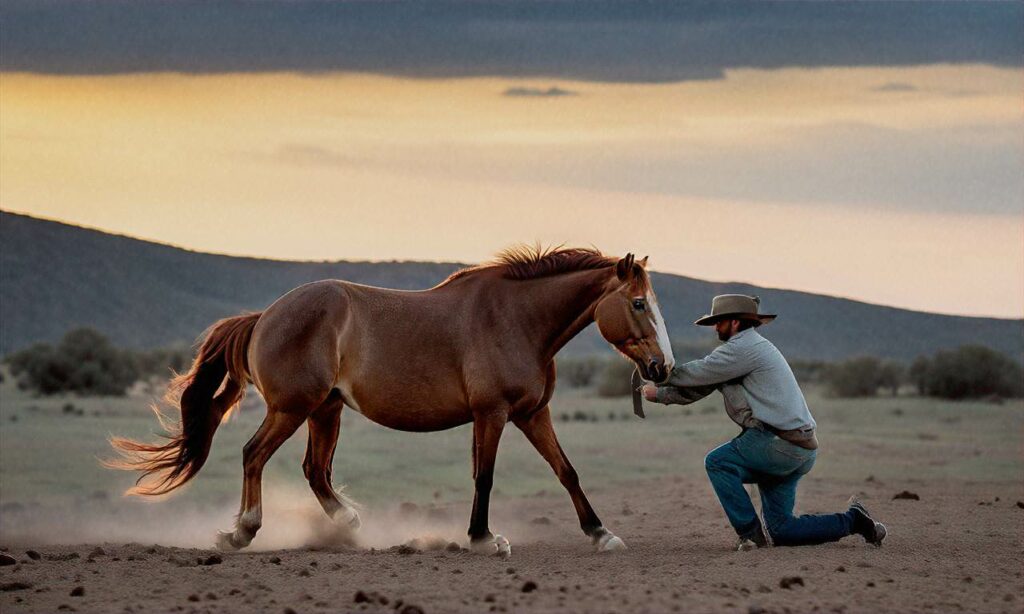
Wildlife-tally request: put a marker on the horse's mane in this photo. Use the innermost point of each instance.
(532, 262)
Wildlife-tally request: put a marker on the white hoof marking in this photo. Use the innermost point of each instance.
(225, 541)
(498, 545)
(504, 549)
(610, 543)
(349, 517)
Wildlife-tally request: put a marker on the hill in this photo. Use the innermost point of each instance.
(55, 276)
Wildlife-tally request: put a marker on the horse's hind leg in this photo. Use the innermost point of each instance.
(539, 430)
(324, 424)
(277, 427)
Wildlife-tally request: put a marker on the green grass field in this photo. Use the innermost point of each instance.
(49, 455)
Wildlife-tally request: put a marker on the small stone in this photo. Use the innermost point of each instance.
(32, 554)
(78, 591)
(97, 551)
(529, 586)
(1020, 504)
(789, 582)
(289, 611)
(276, 560)
(411, 609)
(213, 559)
(15, 586)
(489, 598)
(840, 569)
(6, 559)
(361, 597)
(907, 495)
(870, 584)
(453, 547)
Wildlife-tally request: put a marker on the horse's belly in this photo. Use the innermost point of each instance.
(409, 414)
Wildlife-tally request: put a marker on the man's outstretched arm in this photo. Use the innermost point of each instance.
(671, 395)
(727, 362)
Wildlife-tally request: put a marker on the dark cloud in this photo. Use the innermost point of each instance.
(895, 86)
(600, 41)
(538, 92)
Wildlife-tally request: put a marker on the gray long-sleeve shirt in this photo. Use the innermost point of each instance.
(750, 364)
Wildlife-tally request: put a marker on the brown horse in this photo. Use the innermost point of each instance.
(478, 348)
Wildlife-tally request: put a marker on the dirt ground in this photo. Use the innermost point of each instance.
(958, 548)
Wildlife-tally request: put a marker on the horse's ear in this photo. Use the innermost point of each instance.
(643, 262)
(624, 268)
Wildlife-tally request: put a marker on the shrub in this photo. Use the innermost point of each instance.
(614, 380)
(890, 376)
(918, 374)
(972, 371)
(87, 363)
(856, 377)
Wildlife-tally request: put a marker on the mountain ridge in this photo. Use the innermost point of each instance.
(55, 276)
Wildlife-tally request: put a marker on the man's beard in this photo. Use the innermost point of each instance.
(724, 336)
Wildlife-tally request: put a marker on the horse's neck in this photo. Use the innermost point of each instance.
(561, 306)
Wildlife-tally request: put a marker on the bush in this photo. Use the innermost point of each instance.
(891, 375)
(87, 363)
(579, 372)
(918, 374)
(614, 380)
(971, 371)
(856, 377)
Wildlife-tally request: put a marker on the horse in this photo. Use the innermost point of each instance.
(479, 347)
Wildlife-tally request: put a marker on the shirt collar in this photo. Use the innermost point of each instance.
(750, 332)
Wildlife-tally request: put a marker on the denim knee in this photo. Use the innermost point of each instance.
(712, 462)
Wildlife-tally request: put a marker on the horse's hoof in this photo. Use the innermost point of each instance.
(350, 518)
(226, 541)
(504, 549)
(610, 543)
(497, 545)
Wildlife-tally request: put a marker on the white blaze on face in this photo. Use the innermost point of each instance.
(659, 326)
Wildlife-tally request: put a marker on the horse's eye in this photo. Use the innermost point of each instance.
(638, 304)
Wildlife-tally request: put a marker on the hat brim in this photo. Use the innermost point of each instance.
(709, 320)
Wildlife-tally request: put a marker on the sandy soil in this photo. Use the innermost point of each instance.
(958, 548)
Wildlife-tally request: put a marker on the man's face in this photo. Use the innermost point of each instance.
(726, 329)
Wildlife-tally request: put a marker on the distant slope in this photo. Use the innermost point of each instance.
(55, 276)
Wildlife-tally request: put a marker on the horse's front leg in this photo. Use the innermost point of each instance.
(541, 433)
(487, 429)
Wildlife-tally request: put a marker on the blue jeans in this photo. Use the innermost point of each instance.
(775, 465)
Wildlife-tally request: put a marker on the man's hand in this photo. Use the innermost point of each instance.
(650, 392)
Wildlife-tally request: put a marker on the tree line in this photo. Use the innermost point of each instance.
(966, 372)
(87, 363)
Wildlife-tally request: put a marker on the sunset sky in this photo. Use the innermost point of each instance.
(871, 151)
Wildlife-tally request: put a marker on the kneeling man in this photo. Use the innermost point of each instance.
(777, 446)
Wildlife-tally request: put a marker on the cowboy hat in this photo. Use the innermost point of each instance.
(734, 306)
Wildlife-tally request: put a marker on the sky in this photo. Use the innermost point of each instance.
(866, 150)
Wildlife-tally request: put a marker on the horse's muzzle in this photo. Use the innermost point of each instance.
(655, 371)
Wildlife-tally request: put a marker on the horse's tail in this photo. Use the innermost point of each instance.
(213, 386)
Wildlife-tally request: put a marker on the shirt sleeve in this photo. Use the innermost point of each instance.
(670, 395)
(727, 362)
